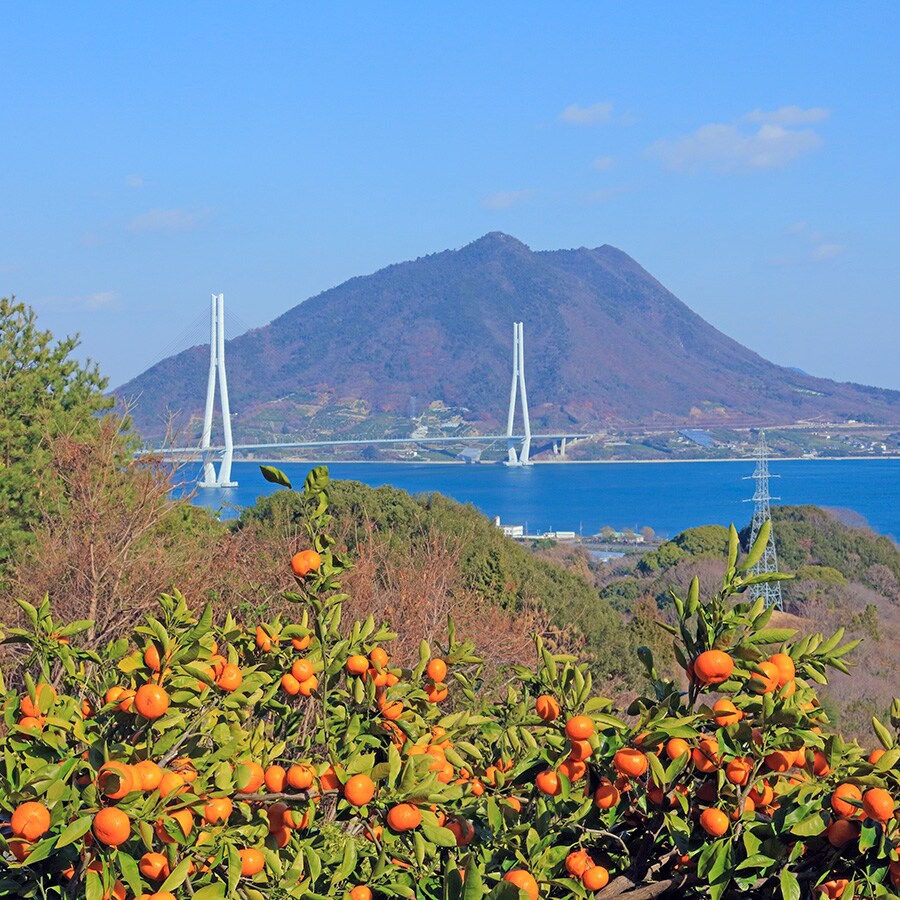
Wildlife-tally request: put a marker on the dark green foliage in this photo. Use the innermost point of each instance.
(45, 393)
(707, 540)
(810, 536)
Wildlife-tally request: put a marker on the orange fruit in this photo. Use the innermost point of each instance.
(843, 793)
(172, 783)
(252, 861)
(360, 892)
(218, 810)
(328, 780)
(358, 665)
(579, 728)
(154, 866)
(308, 686)
(359, 790)
(878, 804)
(254, 772)
(676, 747)
(820, 763)
(159, 895)
(151, 658)
(524, 880)
(842, 832)
(547, 782)
(290, 685)
(630, 761)
(833, 889)
(762, 797)
(44, 695)
(726, 713)
(151, 701)
(275, 779)
(463, 831)
(714, 822)
(304, 562)
(111, 826)
(435, 694)
(300, 777)
(573, 769)
(595, 878)
(378, 657)
(546, 707)
(437, 670)
(706, 756)
(786, 668)
(30, 820)
(404, 817)
(231, 678)
(713, 667)
(606, 796)
(765, 678)
(147, 775)
(302, 669)
(301, 643)
(578, 862)
(780, 760)
(185, 820)
(263, 639)
(392, 711)
(116, 779)
(20, 849)
(580, 750)
(738, 770)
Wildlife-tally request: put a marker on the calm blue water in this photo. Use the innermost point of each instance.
(668, 497)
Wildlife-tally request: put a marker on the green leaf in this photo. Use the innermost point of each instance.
(887, 740)
(443, 837)
(790, 887)
(211, 892)
(758, 548)
(74, 831)
(130, 872)
(179, 873)
(276, 476)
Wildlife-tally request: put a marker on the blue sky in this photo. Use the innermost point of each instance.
(746, 155)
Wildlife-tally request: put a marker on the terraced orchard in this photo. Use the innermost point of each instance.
(295, 759)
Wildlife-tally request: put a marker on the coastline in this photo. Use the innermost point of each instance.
(556, 462)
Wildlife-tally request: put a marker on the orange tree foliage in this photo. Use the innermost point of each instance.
(294, 760)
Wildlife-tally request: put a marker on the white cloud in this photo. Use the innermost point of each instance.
(506, 199)
(101, 299)
(789, 115)
(134, 181)
(167, 220)
(603, 163)
(728, 148)
(826, 251)
(586, 115)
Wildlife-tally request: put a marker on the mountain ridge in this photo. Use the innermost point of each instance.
(606, 345)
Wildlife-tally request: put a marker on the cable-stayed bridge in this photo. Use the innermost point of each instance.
(518, 446)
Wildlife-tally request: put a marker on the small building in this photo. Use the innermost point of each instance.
(513, 531)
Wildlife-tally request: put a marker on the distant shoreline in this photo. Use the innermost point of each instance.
(568, 462)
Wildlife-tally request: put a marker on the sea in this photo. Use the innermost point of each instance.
(584, 497)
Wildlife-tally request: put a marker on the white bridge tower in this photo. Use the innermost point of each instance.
(518, 381)
(217, 366)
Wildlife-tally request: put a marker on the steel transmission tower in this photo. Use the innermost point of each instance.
(217, 366)
(518, 381)
(768, 562)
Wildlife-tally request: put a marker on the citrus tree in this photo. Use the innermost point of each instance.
(296, 759)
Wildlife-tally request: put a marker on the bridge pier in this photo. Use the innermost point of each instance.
(518, 381)
(217, 367)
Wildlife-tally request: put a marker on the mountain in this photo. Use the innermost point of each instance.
(606, 345)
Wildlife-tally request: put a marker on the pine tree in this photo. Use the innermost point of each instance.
(44, 393)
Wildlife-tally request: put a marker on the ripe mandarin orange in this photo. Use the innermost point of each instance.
(404, 817)
(839, 800)
(547, 782)
(630, 761)
(579, 728)
(252, 861)
(546, 707)
(359, 790)
(358, 665)
(714, 822)
(713, 667)
(878, 804)
(275, 779)
(437, 670)
(304, 562)
(595, 878)
(524, 880)
(300, 777)
(30, 820)
(111, 826)
(151, 701)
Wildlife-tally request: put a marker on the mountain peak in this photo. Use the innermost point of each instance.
(607, 346)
